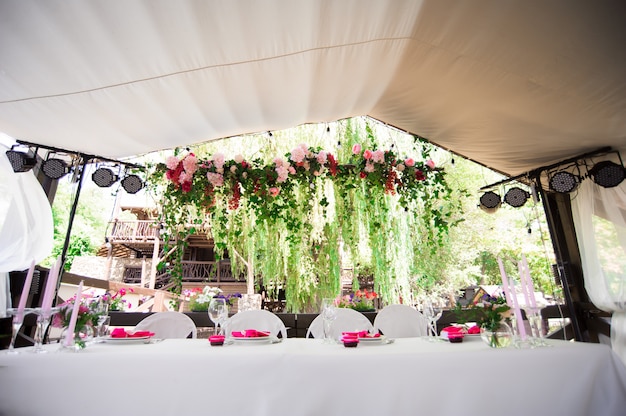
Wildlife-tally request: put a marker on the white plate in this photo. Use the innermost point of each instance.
(373, 341)
(128, 340)
(253, 340)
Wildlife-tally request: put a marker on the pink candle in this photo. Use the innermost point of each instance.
(517, 312)
(26, 289)
(69, 336)
(529, 282)
(511, 296)
(51, 286)
(522, 279)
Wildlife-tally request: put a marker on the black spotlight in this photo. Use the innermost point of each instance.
(564, 182)
(104, 177)
(20, 161)
(607, 174)
(490, 202)
(132, 184)
(516, 197)
(55, 168)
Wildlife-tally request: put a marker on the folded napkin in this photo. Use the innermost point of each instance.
(250, 333)
(360, 334)
(453, 332)
(474, 330)
(122, 333)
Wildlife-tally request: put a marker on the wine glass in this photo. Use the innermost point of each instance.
(432, 309)
(102, 310)
(218, 313)
(329, 314)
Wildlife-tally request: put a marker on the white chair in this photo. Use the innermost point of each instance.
(401, 321)
(347, 320)
(259, 319)
(168, 325)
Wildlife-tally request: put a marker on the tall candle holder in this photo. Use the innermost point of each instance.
(44, 317)
(18, 320)
(535, 320)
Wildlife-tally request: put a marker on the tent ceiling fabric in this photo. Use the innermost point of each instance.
(511, 84)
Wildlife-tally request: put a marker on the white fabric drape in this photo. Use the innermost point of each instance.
(26, 226)
(600, 222)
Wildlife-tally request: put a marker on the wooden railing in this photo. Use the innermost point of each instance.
(133, 231)
(193, 271)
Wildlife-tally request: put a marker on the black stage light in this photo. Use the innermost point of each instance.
(516, 197)
(55, 168)
(104, 177)
(20, 161)
(564, 182)
(607, 174)
(490, 202)
(132, 184)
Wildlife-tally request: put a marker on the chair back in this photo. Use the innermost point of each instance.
(346, 320)
(259, 319)
(401, 321)
(168, 325)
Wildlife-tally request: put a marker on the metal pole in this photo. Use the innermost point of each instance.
(68, 233)
(559, 258)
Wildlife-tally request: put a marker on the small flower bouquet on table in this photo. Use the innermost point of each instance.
(489, 314)
(85, 323)
(361, 300)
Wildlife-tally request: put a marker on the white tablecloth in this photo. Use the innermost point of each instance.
(307, 377)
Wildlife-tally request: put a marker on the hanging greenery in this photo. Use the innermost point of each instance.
(294, 217)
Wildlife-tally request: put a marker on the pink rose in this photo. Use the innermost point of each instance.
(292, 170)
(367, 155)
(409, 162)
(171, 162)
(190, 164)
(322, 157)
(430, 164)
(239, 158)
(378, 156)
(218, 160)
(274, 191)
(297, 155)
(356, 149)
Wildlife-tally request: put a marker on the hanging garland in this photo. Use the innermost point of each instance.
(291, 215)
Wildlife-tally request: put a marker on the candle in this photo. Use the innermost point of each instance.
(522, 279)
(505, 284)
(51, 286)
(26, 289)
(529, 282)
(517, 312)
(69, 336)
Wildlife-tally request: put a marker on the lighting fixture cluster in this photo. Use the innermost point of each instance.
(515, 197)
(54, 167)
(607, 174)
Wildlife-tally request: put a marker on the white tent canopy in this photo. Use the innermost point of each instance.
(511, 84)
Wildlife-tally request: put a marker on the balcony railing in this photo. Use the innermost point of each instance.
(133, 231)
(193, 271)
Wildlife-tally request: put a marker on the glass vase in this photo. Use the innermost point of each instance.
(502, 337)
(82, 337)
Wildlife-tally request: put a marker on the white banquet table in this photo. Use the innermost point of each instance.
(306, 377)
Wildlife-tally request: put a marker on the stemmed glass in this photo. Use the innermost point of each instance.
(218, 313)
(102, 310)
(536, 325)
(329, 314)
(432, 310)
(18, 320)
(43, 321)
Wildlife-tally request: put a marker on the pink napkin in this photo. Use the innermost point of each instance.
(250, 333)
(122, 333)
(474, 330)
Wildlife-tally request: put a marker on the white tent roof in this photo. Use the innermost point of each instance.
(511, 84)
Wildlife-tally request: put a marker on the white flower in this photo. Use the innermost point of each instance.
(238, 158)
